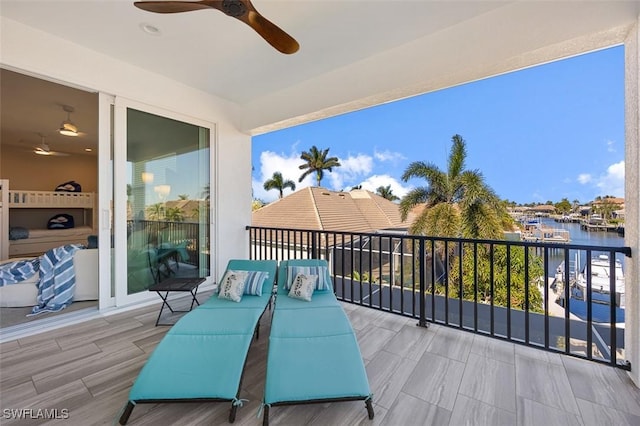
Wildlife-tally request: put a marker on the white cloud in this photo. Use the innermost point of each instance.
(288, 165)
(387, 155)
(351, 168)
(373, 182)
(611, 146)
(584, 178)
(537, 196)
(612, 182)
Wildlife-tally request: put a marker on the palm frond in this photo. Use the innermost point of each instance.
(457, 156)
(411, 199)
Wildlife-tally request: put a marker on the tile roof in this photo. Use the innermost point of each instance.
(319, 208)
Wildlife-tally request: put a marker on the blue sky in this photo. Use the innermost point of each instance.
(543, 133)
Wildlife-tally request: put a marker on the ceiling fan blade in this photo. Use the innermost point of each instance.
(273, 34)
(242, 10)
(173, 6)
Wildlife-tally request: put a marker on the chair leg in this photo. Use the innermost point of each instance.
(232, 414)
(369, 408)
(127, 412)
(265, 418)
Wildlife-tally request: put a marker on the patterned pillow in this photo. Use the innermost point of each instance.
(254, 281)
(303, 286)
(232, 285)
(320, 271)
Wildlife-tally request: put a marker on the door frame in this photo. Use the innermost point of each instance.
(121, 104)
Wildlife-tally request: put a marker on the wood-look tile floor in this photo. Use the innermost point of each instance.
(432, 376)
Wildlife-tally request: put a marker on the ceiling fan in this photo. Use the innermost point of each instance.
(67, 127)
(44, 149)
(242, 10)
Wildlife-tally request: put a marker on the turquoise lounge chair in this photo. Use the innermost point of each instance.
(313, 354)
(202, 357)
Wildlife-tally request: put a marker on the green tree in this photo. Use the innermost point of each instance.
(387, 192)
(174, 214)
(183, 196)
(457, 203)
(279, 183)
(563, 206)
(605, 208)
(316, 161)
(155, 211)
(482, 282)
(256, 204)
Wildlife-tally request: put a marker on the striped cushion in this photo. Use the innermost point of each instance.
(254, 281)
(321, 271)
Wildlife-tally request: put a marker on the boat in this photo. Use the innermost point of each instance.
(600, 284)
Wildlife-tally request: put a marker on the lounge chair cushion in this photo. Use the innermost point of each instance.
(229, 321)
(323, 282)
(313, 352)
(203, 355)
(248, 302)
(318, 367)
(303, 286)
(310, 322)
(320, 299)
(232, 285)
(193, 366)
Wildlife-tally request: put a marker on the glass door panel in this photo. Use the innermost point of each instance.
(168, 213)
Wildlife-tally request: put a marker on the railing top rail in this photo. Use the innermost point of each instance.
(616, 249)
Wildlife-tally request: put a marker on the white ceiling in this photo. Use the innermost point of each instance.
(353, 53)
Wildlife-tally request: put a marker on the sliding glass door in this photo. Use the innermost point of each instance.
(165, 212)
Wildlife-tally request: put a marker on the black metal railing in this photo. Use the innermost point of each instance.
(183, 235)
(545, 295)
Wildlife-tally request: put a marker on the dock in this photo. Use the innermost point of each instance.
(586, 226)
(543, 234)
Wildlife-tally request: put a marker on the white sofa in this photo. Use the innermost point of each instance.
(85, 263)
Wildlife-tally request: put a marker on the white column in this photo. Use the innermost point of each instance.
(632, 201)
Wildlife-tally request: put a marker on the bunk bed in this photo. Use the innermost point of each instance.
(23, 220)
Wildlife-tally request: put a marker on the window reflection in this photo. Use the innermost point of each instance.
(167, 200)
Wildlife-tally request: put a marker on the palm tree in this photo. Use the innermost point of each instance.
(156, 211)
(174, 214)
(387, 192)
(457, 203)
(278, 182)
(317, 162)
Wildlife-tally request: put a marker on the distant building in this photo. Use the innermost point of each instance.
(320, 209)
(609, 200)
(317, 208)
(541, 210)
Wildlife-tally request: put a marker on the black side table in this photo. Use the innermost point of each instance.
(176, 284)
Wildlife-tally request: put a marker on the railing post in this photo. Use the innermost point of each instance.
(314, 245)
(422, 320)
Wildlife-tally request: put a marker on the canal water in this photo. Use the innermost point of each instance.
(578, 259)
(579, 236)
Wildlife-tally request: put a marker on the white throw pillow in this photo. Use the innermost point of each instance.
(232, 285)
(303, 286)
